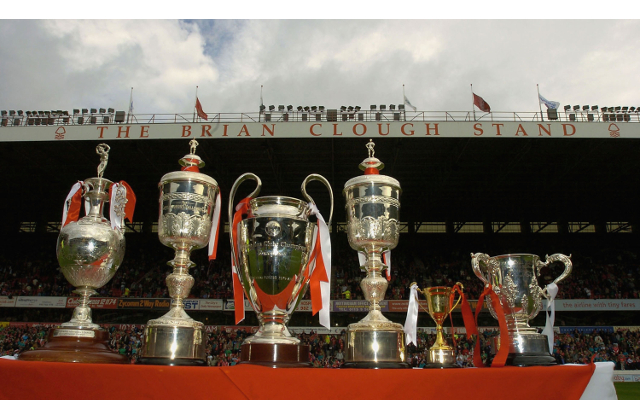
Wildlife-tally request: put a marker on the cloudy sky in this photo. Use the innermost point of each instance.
(66, 64)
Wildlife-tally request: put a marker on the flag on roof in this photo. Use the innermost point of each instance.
(550, 104)
(201, 113)
(480, 103)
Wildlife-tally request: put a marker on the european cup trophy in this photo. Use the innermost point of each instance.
(373, 207)
(188, 200)
(439, 306)
(90, 251)
(513, 278)
(274, 257)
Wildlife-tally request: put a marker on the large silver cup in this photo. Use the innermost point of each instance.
(89, 252)
(272, 250)
(187, 202)
(513, 278)
(373, 209)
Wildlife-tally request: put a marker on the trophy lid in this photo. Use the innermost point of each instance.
(191, 164)
(371, 167)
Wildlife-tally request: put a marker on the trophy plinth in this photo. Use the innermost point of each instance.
(187, 203)
(76, 345)
(270, 252)
(89, 252)
(373, 207)
(275, 355)
(513, 278)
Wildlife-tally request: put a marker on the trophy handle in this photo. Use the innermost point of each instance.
(316, 177)
(453, 294)
(476, 259)
(232, 195)
(568, 265)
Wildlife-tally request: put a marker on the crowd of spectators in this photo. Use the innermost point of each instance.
(143, 272)
(621, 347)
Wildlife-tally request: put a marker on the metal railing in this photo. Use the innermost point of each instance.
(54, 118)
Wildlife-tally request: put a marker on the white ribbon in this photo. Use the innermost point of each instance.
(325, 287)
(116, 209)
(215, 224)
(552, 291)
(411, 323)
(67, 202)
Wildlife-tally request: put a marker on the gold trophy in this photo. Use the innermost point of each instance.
(439, 306)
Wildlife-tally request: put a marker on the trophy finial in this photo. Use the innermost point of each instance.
(371, 165)
(103, 151)
(370, 146)
(192, 162)
(193, 143)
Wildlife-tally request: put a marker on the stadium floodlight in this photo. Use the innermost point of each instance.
(85, 111)
(610, 109)
(314, 108)
(289, 107)
(400, 106)
(567, 107)
(373, 107)
(392, 106)
(383, 107)
(272, 107)
(585, 108)
(94, 111)
(320, 108)
(281, 107)
(350, 108)
(299, 108)
(625, 108)
(603, 109)
(102, 111)
(631, 109)
(594, 108)
(576, 108)
(618, 108)
(111, 110)
(343, 108)
(306, 108)
(20, 113)
(12, 113)
(358, 108)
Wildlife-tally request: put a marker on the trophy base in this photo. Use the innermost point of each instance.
(375, 346)
(442, 358)
(173, 345)
(528, 349)
(76, 346)
(275, 355)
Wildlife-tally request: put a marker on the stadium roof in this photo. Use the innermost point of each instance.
(443, 179)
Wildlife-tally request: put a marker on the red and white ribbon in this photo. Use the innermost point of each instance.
(122, 204)
(411, 323)
(552, 291)
(238, 292)
(320, 281)
(72, 204)
(215, 228)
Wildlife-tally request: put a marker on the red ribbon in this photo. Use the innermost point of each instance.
(131, 202)
(238, 293)
(467, 314)
(501, 356)
(191, 168)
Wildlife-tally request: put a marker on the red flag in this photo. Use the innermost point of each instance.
(480, 103)
(201, 113)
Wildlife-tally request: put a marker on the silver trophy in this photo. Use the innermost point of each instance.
(513, 278)
(89, 252)
(271, 248)
(373, 209)
(187, 202)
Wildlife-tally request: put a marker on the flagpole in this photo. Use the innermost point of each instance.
(404, 101)
(261, 104)
(130, 103)
(194, 105)
(539, 103)
(473, 103)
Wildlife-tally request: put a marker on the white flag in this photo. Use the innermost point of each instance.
(408, 103)
(550, 104)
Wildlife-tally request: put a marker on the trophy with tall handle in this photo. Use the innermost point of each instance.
(189, 220)
(513, 279)
(373, 208)
(276, 254)
(90, 251)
